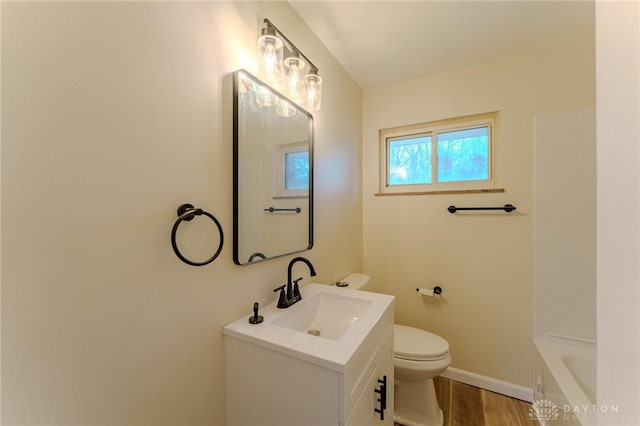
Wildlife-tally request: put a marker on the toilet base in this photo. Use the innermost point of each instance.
(399, 420)
(415, 403)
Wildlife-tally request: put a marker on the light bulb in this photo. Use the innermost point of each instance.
(294, 80)
(269, 59)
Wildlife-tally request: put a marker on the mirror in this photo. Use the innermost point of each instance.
(272, 173)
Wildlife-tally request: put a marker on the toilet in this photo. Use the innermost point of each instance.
(418, 357)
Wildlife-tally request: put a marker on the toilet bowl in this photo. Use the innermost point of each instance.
(419, 356)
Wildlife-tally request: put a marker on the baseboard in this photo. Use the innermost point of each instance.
(489, 383)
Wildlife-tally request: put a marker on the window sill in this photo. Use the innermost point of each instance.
(289, 197)
(444, 191)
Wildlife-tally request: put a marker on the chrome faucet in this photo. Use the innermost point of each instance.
(292, 294)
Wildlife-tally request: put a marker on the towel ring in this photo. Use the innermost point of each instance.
(188, 212)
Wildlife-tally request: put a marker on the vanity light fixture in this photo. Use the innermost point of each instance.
(285, 68)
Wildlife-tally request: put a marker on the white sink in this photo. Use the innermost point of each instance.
(326, 327)
(325, 315)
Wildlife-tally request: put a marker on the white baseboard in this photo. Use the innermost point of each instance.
(489, 383)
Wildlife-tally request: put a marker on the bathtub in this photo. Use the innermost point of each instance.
(564, 382)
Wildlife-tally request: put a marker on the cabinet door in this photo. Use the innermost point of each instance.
(267, 388)
(369, 410)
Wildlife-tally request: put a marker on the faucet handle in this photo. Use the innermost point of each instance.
(296, 290)
(282, 300)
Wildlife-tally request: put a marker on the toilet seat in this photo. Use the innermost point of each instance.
(415, 344)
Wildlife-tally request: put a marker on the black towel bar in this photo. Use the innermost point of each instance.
(507, 208)
(274, 209)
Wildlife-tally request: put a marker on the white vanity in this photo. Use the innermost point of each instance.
(327, 360)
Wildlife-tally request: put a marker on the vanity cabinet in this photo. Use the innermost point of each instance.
(266, 384)
(376, 407)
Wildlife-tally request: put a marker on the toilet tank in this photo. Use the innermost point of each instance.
(355, 281)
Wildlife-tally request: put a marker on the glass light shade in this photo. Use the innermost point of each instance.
(270, 57)
(313, 90)
(285, 109)
(294, 77)
(266, 97)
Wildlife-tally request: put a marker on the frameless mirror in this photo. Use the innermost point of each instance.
(272, 173)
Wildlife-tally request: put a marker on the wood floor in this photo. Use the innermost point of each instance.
(466, 405)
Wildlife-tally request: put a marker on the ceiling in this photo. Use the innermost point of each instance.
(378, 42)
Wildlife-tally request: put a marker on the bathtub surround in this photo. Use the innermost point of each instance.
(565, 264)
(114, 114)
(483, 261)
(565, 225)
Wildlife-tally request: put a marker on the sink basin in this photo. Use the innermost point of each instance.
(327, 327)
(325, 315)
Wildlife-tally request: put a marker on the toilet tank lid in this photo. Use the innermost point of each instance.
(416, 344)
(356, 280)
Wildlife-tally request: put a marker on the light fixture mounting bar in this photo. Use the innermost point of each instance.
(292, 46)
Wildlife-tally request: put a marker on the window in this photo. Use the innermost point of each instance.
(447, 155)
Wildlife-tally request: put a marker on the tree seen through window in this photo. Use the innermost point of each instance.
(462, 155)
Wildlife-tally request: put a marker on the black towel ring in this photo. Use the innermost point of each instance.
(188, 212)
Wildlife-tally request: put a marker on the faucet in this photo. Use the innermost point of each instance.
(292, 294)
(295, 293)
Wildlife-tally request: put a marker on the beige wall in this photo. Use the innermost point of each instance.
(618, 171)
(482, 262)
(114, 114)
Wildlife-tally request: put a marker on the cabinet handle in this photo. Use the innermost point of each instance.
(382, 390)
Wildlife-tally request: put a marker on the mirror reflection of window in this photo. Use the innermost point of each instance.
(296, 171)
(293, 164)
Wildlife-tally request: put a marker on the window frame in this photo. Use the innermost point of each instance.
(433, 128)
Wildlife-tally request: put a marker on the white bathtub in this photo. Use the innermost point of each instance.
(565, 382)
